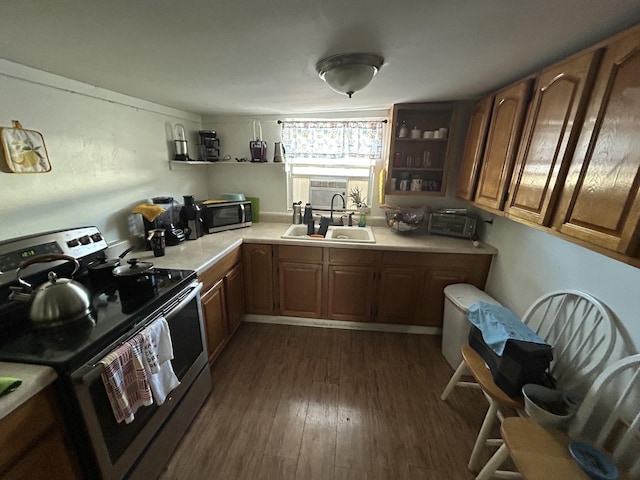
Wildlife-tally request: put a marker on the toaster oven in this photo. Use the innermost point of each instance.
(463, 226)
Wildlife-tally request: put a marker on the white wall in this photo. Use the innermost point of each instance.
(108, 153)
(268, 182)
(532, 262)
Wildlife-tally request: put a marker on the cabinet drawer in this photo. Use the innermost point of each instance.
(216, 272)
(405, 258)
(300, 254)
(347, 256)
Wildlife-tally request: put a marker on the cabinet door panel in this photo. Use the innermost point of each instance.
(300, 289)
(400, 289)
(601, 202)
(258, 271)
(215, 319)
(474, 148)
(432, 309)
(551, 131)
(351, 293)
(234, 293)
(502, 143)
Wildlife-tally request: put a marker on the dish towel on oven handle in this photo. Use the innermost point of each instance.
(125, 380)
(158, 353)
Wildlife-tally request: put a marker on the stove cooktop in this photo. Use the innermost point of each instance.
(111, 316)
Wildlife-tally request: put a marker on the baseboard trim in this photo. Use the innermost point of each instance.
(322, 323)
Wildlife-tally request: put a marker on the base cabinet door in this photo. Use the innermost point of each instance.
(351, 293)
(300, 289)
(215, 319)
(400, 290)
(234, 295)
(258, 277)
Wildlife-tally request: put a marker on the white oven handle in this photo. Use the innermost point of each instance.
(93, 369)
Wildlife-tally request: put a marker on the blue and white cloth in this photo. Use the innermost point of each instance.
(499, 324)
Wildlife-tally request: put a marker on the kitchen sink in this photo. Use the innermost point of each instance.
(334, 234)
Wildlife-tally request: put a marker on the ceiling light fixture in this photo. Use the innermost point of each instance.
(348, 73)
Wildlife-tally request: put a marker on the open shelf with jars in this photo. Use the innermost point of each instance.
(419, 153)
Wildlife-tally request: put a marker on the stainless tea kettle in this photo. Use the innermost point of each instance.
(57, 302)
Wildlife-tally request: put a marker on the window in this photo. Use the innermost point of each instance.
(325, 157)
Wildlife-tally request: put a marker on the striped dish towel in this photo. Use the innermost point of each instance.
(125, 380)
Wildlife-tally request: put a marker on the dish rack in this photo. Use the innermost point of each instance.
(405, 221)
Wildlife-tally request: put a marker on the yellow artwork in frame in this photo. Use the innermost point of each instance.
(24, 150)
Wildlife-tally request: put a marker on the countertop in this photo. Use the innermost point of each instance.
(204, 252)
(34, 379)
(200, 254)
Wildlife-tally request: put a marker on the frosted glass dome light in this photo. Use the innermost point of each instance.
(349, 72)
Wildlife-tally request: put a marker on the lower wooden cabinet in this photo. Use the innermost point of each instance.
(223, 301)
(400, 292)
(367, 285)
(215, 315)
(234, 295)
(258, 277)
(33, 444)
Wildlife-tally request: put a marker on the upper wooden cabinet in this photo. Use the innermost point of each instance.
(416, 155)
(474, 148)
(551, 130)
(505, 128)
(600, 202)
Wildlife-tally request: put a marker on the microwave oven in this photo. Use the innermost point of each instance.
(220, 216)
(463, 226)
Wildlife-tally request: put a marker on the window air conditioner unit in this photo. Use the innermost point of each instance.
(321, 190)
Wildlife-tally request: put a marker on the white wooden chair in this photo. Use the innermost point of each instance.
(608, 418)
(582, 333)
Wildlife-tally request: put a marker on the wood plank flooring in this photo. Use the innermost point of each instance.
(297, 403)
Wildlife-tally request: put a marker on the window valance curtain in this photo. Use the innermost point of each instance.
(333, 139)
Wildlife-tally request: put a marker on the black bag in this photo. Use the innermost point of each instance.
(520, 363)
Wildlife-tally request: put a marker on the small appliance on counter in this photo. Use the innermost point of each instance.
(228, 212)
(453, 223)
(209, 147)
(191, 216)
(167, 220)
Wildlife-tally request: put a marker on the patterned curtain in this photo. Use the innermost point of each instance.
(333, 139)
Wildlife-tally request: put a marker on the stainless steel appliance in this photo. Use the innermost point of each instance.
(452, 224)
(107, 449)
(219, 216)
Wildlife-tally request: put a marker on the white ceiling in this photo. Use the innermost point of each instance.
(259, 56)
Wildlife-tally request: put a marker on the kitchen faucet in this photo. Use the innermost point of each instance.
(344, 206)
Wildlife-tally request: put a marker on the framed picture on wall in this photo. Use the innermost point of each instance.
(24, 150)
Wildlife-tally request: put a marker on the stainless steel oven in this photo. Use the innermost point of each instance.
(107, 449)
(135, 449)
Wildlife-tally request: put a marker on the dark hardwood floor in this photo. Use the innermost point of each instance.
(311, 403)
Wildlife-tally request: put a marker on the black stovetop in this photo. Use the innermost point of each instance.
(66, 347)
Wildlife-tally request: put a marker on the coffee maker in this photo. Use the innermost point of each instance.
(166, 220)
(191, 216)
(209, 146)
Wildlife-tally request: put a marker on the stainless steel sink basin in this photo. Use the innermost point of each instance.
(334, 234)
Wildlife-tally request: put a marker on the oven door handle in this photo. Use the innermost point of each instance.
(174, 309)
(96, 368)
